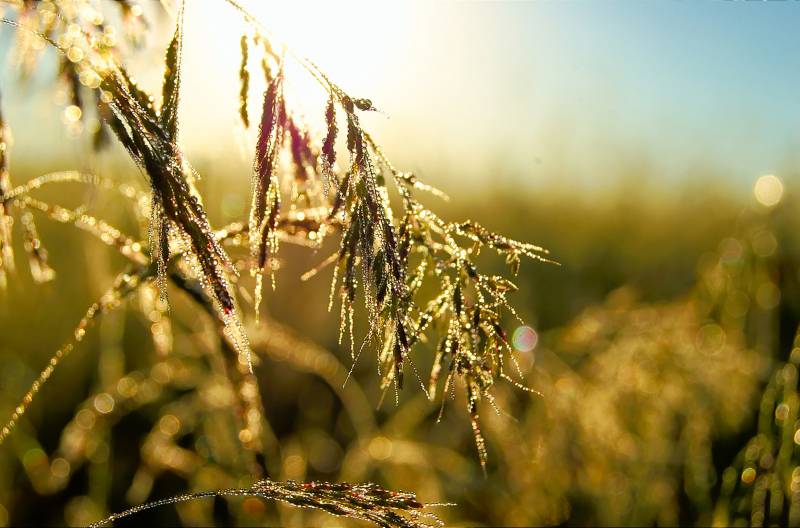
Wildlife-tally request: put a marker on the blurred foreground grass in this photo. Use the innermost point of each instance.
(666, 360)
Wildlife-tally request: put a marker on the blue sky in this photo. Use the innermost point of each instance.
(582, 87)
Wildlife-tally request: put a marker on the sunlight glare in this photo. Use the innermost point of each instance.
(353, 42)
(768, 190)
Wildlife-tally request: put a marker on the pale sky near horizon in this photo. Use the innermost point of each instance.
(546, 92)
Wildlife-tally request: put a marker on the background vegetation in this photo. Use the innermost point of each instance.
(654, 352)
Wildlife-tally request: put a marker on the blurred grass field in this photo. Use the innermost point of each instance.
(657, 337)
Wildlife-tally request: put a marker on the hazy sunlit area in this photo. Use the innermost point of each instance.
(399, 263)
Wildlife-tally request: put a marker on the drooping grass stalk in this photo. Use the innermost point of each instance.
(390, 256)
(125, 284)
(367, 502)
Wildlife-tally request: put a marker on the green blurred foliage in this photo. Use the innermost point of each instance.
(666, 319)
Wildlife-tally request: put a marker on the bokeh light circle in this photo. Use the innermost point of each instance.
(525, 338)
(768, 190)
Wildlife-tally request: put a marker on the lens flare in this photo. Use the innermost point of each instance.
(525, 338)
